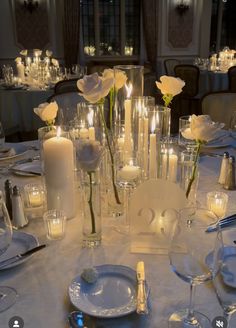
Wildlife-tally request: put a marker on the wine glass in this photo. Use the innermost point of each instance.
(189, 249)
(225, 282)
(7, 294)
(128, 176)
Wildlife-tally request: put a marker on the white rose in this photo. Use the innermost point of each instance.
(170, 85)
(202, 128)
(88, 154)
(47, 111)
(120, 77)
(24, 52)
(55, 62)
(48, 53)
(94, 87)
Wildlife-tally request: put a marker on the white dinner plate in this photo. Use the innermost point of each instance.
(22, 169)
(228, 270)
(21, 242)
(223, 140)
(19, 150)
(112, 295)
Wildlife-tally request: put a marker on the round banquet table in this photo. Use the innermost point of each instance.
(16, 109)
(212, 81)
(42, 282)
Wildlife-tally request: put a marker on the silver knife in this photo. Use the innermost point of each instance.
(14, 170)
(223, 223)
(142, 307)
(20, 256)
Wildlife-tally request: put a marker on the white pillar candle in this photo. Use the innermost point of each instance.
(173, 165)
(140, 134)
(164, 165)
(20, 71)
(120, 143)
(91, 133)
(84, 133)
(59, 174)
(145, 146)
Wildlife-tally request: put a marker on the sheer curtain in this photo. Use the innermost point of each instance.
(150, 11)
(71, 31)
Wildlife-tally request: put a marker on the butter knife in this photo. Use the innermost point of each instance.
(14, 170)
(223, 223)
(18, 257)
(142, 307)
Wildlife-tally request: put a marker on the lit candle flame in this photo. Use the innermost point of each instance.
(58, 132)
(131, 162)
(129, 89)
(153, 124)
(90, 117)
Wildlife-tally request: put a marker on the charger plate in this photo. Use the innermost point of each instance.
(112, 295)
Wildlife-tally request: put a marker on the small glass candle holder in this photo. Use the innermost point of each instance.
(55, 221)
(34, 195)
(217, 202)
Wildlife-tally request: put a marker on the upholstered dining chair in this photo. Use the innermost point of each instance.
(67, 104)
(66, 86)
(220, 106)
(190, 96)
(170, 64)
(232, 78)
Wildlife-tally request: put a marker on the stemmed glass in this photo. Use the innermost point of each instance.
(225, 282)
(128, 176)
(7, 294)
(189, 248)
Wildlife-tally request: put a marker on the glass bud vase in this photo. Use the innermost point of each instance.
(91, 209)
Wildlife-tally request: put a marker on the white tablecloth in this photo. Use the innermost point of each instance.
(212, 81)
(16, 108)
(42, 282)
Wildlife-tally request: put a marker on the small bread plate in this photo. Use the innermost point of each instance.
(11, 151)
(228, 269)
(21, 242)
(222, 140)
(112, 295)
(27, 169)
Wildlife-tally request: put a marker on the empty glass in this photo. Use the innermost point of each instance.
(7, 295)
(184, 130)
(189, 249)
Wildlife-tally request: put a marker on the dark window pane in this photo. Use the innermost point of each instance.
(87, 16)
(132, 23)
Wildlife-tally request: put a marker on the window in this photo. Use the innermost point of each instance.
(111, 27)
(223, 26)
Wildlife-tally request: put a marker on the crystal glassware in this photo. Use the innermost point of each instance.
(224, 283)
(8, 295)
(184, 130)
(189, 249)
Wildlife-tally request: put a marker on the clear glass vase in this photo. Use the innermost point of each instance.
(91, 209)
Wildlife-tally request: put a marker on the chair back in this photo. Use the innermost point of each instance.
(67, 104)
(190, 74)
(232, 78)
(66, 86)
(220, 106)
(170, 64)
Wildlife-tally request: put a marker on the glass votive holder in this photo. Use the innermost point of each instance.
(55, 221)
(34, 195)
(217, 202)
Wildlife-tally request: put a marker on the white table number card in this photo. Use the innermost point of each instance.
(153, 213)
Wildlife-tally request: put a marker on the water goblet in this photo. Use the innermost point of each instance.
(7, 294)
(189, 248)
(184, 131)
(224, 282)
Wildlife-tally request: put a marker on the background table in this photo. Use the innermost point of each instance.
(42, 282)
(212, 81)
(16, 109)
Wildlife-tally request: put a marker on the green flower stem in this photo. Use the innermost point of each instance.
(194, 169)
(90, 202)
(111, 157)
(112, 94)
(167, 98)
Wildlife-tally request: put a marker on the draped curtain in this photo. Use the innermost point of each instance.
(71, 31)
(150, 11)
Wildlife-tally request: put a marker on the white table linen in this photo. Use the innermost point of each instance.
(212, 81)
(42, 282)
